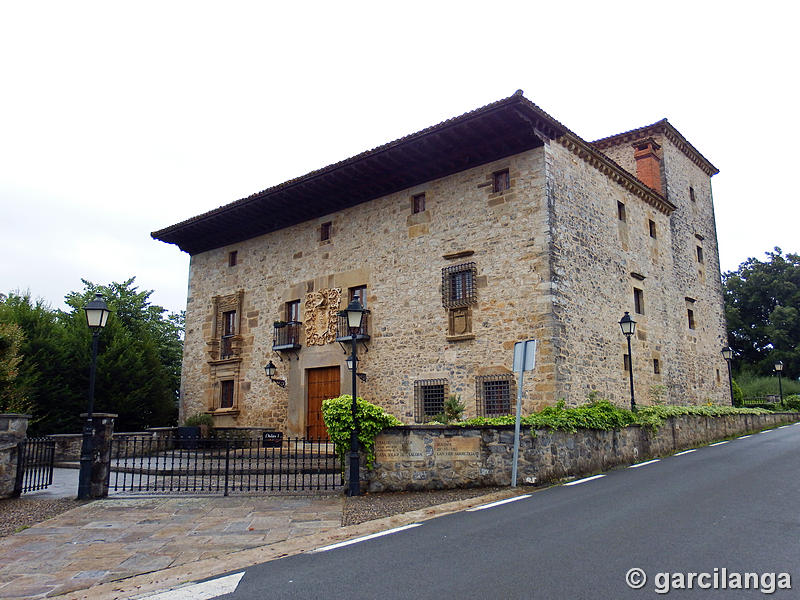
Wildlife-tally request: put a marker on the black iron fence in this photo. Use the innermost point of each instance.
(35, 464)
(223, 466)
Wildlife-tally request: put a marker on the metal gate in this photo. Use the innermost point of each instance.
(171, 464)
(35, 464)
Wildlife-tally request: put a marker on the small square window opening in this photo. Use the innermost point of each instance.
(700, 254)
(232, 258)
(325, 232)
(501, 181)
(656, 367)
(638, 301)
(621, 211)
(690, 315)
(691, 194)
(418, 202)
(652, 227)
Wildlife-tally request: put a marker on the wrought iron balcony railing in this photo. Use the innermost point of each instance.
(226, 347)
(343, 331)
(286, 335)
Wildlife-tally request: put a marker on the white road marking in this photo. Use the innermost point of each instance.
(766, 431)
(649, 462)
(743, 437)
(685, 452)
(584, 480)
(719, 443)
(364, 538)
(498, 503)
(783, 427)
(202, 591)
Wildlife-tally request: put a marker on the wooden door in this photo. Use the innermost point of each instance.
(322, 384)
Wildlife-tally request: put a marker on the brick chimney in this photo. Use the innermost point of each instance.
(648, 163)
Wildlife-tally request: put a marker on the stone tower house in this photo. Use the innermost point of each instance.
(492, 227)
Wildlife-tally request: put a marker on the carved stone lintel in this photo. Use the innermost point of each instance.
(320, 316)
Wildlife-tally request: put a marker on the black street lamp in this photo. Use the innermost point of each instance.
(270, 369)
(779, 370)
(354, 313)
(628, 327)
(727, 354)
(96, 317)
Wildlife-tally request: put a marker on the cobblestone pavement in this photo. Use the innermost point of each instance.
(127, 547)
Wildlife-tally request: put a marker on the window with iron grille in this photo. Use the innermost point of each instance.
(429, 395)
(493, 394)
(458, 285)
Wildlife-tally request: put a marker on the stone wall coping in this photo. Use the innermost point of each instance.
(8, 446)
(14, 416)
(101, 415)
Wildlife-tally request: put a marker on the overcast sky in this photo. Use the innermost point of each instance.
(119, 119)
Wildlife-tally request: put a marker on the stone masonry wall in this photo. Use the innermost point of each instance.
(399, 256)
(696, 372)
(13, 428)
(438, 457)
(553, 262)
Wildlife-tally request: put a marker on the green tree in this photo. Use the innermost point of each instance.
(762, 306)
(139, 356)
(51, 361)
(12, 396)
(138, 362)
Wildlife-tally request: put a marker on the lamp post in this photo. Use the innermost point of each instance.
(354, 313)
(96, 317)
(779, 370)
(628, 327)
(727, 354)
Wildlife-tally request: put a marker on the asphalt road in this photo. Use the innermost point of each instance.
(732, 506)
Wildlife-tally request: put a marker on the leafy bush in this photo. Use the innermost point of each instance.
(338, 416)
(738, 395)
(791, 402)
(654, 416)
(198, 419)
(602, 414)
(453, 410)
(598, 414)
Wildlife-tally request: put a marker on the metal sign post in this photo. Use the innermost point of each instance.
(524, 360)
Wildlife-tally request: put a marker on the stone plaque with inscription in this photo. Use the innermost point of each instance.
(392, 449)
(457, 448)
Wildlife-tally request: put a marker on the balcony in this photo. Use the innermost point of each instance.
(226, 349)
(286, 335)
(343, 331)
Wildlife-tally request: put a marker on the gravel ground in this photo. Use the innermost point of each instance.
(358, 509)
(20, 513)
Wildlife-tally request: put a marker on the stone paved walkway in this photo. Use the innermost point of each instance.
(117, 538)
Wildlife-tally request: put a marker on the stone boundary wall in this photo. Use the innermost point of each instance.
(12, 431)
(420, 457)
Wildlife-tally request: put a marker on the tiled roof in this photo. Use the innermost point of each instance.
(659, 127)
